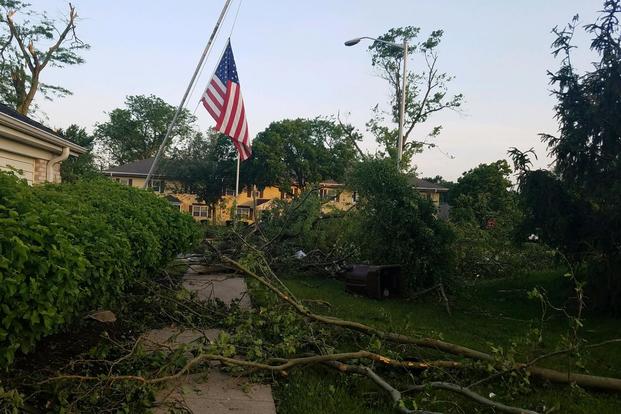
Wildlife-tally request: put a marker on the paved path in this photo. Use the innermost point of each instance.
(214, 392)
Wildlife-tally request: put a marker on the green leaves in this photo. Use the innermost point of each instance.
(396, 226)
(66, 249)
(136, 131)
(300, 151)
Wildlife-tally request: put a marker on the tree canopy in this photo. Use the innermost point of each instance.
(577, 206)
(483, 193)
(300, 151)
(427, 90)
(206, 166)
(29, 43)
(136, 131)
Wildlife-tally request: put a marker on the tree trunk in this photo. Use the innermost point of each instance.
(24, 106)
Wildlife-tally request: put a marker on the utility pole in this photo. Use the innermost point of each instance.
(404, 90)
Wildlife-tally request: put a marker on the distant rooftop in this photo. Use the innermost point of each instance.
(421, 184)
(141, 168)
(137, 168)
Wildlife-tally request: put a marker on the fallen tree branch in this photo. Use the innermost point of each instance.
(583, 380)
(281, 368)
(395, 395)
(447, 386)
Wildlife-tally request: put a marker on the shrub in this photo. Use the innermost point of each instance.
(494, 253)
(397, 226)
(70, 248)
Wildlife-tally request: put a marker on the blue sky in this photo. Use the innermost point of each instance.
(292, 63)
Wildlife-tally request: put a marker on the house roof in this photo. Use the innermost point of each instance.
(139, 168)
(421, 184)
(29, 128)
(5, 109)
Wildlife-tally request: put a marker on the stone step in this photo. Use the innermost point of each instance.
(219, 393)
(224, 286)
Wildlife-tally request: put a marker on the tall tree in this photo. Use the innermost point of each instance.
(136, 131)
(577, 207)
(427, 90)
(30, 45)
(484, 193)
(300, 151)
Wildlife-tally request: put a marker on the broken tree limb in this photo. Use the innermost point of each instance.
(447, 386)
(583, 380)
(394, 393)
(281, 368)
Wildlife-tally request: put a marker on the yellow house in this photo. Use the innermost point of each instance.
(33, 151)
(248, 203)
(429, 190)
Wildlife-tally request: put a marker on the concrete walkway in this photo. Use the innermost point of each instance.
(214, 392)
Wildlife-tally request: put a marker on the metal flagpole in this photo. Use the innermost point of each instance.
(237, 180)
(404, 90)
(185, 95)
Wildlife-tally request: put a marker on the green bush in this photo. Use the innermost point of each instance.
(70, 248)
(494, 253)
(395, 225)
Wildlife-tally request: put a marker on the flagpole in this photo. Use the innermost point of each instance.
(237, 180)
(185, 95)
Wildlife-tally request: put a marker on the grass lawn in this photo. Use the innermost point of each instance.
(490, 313)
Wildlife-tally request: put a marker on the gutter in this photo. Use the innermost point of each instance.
(51, 163)
(53, 141)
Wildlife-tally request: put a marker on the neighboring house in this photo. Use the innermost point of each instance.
(429, 190)
(434, 192)
(32, 150)
(247, 204)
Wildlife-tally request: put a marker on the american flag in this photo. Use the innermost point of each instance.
(224, 102)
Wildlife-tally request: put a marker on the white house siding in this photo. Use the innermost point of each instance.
(25, 166)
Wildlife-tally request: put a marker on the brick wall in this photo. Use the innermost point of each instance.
(40, 171)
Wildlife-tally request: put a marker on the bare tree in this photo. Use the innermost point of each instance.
(427, 89)
(28, 47)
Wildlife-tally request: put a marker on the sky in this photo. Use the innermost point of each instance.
(292, 63)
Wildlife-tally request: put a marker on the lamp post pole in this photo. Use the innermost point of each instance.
(404, 90)
(404, 47)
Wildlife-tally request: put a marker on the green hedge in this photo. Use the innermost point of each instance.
(71, 248)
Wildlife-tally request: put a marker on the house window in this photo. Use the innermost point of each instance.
(229, 192)
(244, 213)
(201, 210)
(157, 185)
(354, 197)
(124, 181)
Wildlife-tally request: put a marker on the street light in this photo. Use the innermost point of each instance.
(403, 47)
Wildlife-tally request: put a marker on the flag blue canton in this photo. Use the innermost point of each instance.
(226, 69)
